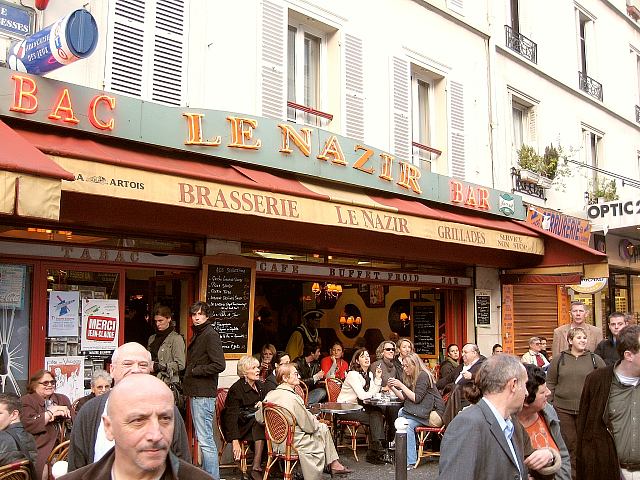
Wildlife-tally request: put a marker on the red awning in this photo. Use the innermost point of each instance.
(20, 156)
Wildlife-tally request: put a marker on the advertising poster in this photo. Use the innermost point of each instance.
(69, 375)
(12, 278)
(63, 313)
(100, 319)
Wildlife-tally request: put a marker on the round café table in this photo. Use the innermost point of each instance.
(335, 409)
(384, 402)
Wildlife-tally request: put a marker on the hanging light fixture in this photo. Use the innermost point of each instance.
(405, 319)
(326, 290)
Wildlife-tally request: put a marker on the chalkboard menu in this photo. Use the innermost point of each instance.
(483, 310)
(228, 292)
(425, 331)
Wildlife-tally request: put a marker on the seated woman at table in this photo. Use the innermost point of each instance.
(423, 404)
(238, 417)
(312, 439)
(270, 383)
(361, 384)
(334, 366)
(267, 357)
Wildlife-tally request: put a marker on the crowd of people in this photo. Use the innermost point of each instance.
(568, 414)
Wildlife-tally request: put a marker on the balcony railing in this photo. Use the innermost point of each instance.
(590, 86)
(308, 115)
(637, 114)
(424, 155)
(521, 44)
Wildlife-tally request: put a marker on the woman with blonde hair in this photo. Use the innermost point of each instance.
(239, 414)
(423, 404)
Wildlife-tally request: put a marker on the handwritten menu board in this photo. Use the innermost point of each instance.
(228, 292)
(425, 331)
(483, 308)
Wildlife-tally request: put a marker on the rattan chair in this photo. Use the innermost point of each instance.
(302, 390)
(60, 452)
(424, 433)
(334, 386)
(279, 428)
(221, 399)
(16, 471)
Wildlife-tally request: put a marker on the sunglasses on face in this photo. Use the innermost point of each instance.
(389, 349)
(48, 383)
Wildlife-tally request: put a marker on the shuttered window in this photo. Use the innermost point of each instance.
(274, 40)
(535, 312)
(354, 87)
(456, 6)
(456, 130)
(146, 49)
(401, 109)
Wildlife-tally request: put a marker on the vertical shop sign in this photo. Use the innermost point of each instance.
(12, 278)
(483, 308)
(100, 320)
(69, 375)
(564, 305)
(63, 313)
(508, 345)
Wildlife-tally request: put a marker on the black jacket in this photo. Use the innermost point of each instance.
(307, 371)
(236, 421)
(205, 360)
(607, 351)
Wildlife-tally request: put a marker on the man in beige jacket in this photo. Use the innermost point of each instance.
(579, 314)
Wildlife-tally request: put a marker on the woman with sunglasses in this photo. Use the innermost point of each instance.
(312, 439)
(46, 415)
(360, 384)
(423, 404)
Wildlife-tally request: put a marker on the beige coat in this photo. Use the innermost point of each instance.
(312, 439)
(560, 343)
(172, 354)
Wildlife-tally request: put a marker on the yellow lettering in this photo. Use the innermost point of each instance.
(409, 175)
(303, 142)
(359, 165)
(332, 149)
(387, 162)
(194, 124)
(242, 131)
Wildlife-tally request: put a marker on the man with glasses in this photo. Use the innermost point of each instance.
(534, 355)
(205, 361)
(89, 442)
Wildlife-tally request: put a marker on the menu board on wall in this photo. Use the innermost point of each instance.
(483, 308)
(228, 290)
(425, 331)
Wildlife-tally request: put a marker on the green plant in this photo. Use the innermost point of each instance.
(605, 189)
(548, 165)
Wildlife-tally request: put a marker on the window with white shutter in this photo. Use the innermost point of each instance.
(354, 87)
(146, 49)
(456, 97)
(400, 109)
(524, 128)
(273, 68)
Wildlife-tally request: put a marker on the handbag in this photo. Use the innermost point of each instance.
(178, 395)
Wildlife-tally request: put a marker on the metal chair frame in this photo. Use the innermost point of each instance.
(333, 386)
(280, 427)
(424, 433)
(16, 471)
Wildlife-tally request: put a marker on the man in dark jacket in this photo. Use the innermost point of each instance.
(140, 421)
(609, 415)
(205, 361)
(310, 372)
(607, 347)
(88, 439)
(15, 442)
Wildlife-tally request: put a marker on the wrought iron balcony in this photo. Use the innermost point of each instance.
(521, 44)
(590, 86)
(637, 114)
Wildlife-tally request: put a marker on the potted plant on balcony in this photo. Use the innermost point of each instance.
(541, 169)
(602, 190)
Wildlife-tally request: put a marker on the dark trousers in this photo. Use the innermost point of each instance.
(372, 417)
(568, 428)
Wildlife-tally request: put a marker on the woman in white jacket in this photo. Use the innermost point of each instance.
(360, 384)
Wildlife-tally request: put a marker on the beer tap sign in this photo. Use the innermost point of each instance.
(70, 38)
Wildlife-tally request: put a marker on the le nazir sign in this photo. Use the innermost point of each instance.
(253, 140)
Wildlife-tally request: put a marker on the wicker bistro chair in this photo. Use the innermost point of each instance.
(302, 390)
(16, 471)
(352, 427)
(221, 399)
(280, 427)
(424, 433)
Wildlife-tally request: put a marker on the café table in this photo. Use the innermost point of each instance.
(335, 409)
(384, 402)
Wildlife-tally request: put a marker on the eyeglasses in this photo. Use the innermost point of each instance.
(48, 383)
(389, 349)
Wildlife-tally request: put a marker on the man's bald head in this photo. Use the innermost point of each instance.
(140, 420)
(129, 358)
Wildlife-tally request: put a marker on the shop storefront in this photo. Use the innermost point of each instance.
(147, 204)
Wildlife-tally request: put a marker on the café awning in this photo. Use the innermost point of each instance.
(31, 182)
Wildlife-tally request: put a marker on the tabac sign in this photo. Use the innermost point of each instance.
(248, 139)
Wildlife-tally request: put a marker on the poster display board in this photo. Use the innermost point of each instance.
(483, 308)
(69, 375)
(228, 287)
(100, 321)
(12, 285)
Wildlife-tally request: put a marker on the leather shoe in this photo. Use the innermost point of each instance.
(257, 474)
(343, 471)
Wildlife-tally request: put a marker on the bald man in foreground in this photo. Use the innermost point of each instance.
(140, 420)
